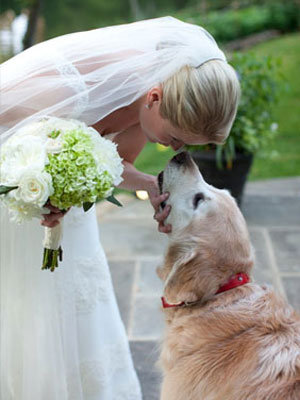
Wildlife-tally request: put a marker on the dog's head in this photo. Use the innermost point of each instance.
(209, 241)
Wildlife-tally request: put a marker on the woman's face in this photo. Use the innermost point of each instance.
(159, 130)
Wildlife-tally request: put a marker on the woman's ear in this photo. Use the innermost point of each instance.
(154, 95)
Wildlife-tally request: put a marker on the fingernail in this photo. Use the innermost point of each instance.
(167, 195)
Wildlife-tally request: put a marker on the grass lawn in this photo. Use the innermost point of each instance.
(154, 158)
(286, 147)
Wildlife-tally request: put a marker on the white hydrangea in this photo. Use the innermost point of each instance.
(19, 155)
(54, 145)
(107, 157)
(21, 212)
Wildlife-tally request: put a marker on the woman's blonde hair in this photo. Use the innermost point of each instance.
(202, 100)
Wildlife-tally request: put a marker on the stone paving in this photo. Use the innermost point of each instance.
(135, 248)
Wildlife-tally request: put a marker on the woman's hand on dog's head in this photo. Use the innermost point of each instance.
(160, 213)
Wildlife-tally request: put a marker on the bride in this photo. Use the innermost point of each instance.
(161, 80)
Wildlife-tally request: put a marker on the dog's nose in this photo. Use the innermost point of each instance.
(160, 179)
(181, 158)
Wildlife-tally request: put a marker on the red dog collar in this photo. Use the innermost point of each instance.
(236, 280)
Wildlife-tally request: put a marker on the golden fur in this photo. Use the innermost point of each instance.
(242, 344)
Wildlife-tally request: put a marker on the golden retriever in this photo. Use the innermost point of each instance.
(226, 337)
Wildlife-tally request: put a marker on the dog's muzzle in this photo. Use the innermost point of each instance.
(160, 180)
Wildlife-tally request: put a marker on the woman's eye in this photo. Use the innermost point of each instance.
(198, 198)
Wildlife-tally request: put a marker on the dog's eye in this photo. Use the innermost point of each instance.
(199, 197)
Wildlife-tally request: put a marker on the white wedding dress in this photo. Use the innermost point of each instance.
(62, 337)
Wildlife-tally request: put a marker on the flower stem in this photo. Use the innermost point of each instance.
(51, 258)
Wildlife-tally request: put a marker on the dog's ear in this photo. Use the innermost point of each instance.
(192, 276)
(196, 267)
(161, 273)
(178, 273)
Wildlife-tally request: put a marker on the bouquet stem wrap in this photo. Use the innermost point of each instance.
(52, 247)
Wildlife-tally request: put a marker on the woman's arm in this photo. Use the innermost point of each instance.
(130, 144)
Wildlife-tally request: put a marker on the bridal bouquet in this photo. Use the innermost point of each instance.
(60, 161)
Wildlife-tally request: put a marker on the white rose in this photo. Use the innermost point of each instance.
(46, 125)
(36, 128)
(35, 188)
(107, 158)
(54, 145)
(24, 212)
(63, 125)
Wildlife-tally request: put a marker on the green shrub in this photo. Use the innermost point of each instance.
(231, 24)
(284, 16)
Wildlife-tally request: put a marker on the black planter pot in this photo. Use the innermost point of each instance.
(233, 179)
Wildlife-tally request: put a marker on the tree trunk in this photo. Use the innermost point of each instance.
(34, 10)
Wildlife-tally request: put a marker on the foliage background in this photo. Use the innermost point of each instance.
(225, 19)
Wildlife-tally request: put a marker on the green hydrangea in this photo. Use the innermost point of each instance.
(76, 179)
